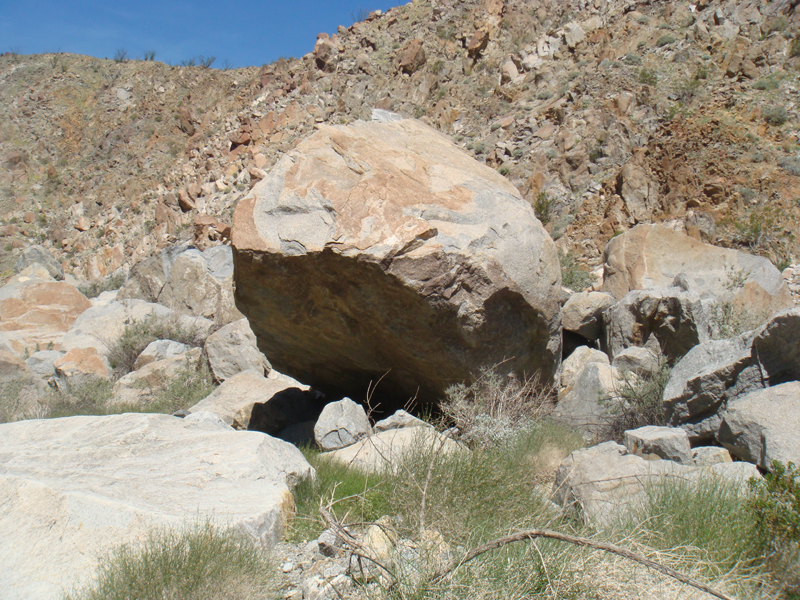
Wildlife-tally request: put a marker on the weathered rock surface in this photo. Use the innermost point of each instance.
(201, 284)
(386, 449)
(639, 361)
(388, 251)
(705, 456)
(233, 349)
(668, 443)
(707, 378)
(37, 310)
(147, 277)
(341, 424)
(763, 426)
(399, 420)
(679, 320)
(38, 254)
(583, 313)
(159, 350)
(777, 347)
(589, 405)
(72, 489)
(650, 256)
(144, 385)
(233, 401)
(575, 362)
(605, 482)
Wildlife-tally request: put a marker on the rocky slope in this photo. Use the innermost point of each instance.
(604, 115)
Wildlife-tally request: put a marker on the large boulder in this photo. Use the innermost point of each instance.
(147, 277)
(590, 404)
(574, 363)
(36, 310)
(583, 313)
(677, 319)
(73, 489)
(278, 401)
(341, 424)
(777, 347)
(233, 349)
(605, 483)
(381, 250)
(649, 256)
(669, 443)
(41, 255)
(763, 425)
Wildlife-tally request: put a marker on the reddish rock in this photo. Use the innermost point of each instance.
(184, 201)
(412, 57)
(29, 217)
(477, 44)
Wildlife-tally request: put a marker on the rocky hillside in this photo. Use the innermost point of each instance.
(604, 116)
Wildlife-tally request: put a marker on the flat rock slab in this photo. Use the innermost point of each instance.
(381, 251)
(72, 489)
(764, 425)
(386, 450)
(650, 256)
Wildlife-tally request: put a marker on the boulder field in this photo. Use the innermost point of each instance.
(381, 250)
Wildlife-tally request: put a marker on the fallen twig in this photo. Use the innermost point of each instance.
(532, 534)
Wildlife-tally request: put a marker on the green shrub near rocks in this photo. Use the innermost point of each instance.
(196, 562)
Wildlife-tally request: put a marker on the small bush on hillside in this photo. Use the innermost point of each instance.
(121, 55)
(20, 399)
(198, 562)
(729, 320)
(136, 336)
(542, 206)
(775, 114)
(776, 502)
(648, 77)
(573, 276)
(665, 40)
(495, 407)
(639, 402)
(794, 50)
(790, 165)
(92, 289)
(89, 396)
(185, 389)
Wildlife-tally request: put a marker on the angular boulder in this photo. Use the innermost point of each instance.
(583, 313)
(777, 347)
(679, 320)
(763, 426)
(233, 349)
(341, 424)
(385, 450)
(381, 250)
(574, 364)
(590, 404)
(36, 310)
(73, 489)
(605, 483)
(649, 256)
(235, 400)
(668, 443)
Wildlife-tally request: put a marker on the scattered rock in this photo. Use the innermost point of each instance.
(663, 442)
(144, 386)
(341, 424)
(583, 313)
(762, 426)
(38, 254)
(639, 361)
(399, 420)
(233, 349)
(705, 456)
(159, 350)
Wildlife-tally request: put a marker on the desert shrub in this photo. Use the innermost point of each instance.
(87, 396)
(774, 114)
(665, 40)
(790, 165)
(359, 495)
(495, 407)
(124, 351)
(121, 55)
(709, 520)
(573, 276)
(638, 401)
(544, 95)
(21, 399)
(648, 77)
(542, 206)
(632, 59)
(196, 562)
(185, 389)
(92, 289)
(776, 503)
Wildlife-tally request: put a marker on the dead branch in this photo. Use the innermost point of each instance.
(423, 503)
(532, 534)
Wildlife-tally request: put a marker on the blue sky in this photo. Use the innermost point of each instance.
(244, 33)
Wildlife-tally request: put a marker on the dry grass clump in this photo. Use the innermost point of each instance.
(197, 562)
(495, 407)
